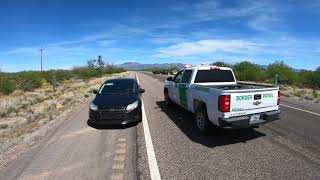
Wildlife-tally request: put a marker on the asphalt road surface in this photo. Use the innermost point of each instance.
(167, 142)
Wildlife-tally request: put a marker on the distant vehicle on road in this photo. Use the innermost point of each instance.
(117, 102)
(164, 71)
(173, 72)
(214, 96)
(156, 71)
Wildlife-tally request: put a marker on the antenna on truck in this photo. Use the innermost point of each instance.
(203, 63)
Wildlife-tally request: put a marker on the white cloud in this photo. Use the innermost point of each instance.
(203, 47)
(77, 46)
(254, 13)
(166, 40)
(105, 43)
(84, 39)
(49, 50)
(30, 50)
(212, 10)
(263, 22)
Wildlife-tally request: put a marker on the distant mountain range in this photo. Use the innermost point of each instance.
(139, 66)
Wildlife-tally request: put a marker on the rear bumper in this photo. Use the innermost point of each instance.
(244, 121)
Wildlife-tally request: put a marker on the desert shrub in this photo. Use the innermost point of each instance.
(286, 74)
(110, 69)
(315, 94)
(3, 126)
(315, 78)
(304, 78)
(300, 93)
(222, 64)
(247, 71)
(58, 75)
(7, 85)
(29, 80)
(85, 72)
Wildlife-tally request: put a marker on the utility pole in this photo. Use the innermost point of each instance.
(41, 50)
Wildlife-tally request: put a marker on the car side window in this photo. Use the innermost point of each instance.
(186, 76)
(177, 78)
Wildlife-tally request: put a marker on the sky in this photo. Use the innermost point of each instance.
(188, 31)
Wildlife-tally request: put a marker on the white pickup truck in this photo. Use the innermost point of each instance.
(213, 95)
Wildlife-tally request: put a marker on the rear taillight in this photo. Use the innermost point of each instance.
(278, 102)
(224, 103)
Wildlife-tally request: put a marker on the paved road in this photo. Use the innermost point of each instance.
(289, 148)
(285, 149)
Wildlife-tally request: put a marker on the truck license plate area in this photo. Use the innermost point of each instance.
(254, 118)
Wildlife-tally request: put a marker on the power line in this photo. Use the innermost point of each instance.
(41, 51)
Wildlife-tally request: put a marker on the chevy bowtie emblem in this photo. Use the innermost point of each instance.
(256, 103)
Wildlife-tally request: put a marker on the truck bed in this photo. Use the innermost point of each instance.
(241, 86)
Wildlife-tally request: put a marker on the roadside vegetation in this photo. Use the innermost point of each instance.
(248, 71)
(29, 108)
(302, 84)
(28, 81)
(22, 89)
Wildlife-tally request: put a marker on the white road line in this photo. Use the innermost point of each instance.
(153, 166)
(121, 151)
(116, 176)
(300, 109)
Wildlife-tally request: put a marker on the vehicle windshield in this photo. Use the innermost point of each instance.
(210, 76)
(118, 87)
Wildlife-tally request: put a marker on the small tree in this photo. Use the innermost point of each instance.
(248, 71)
(222, 64)
(30, 80)
(91, 63)
(286, 73)
(7, 86)
(315, 78)
(98, 64)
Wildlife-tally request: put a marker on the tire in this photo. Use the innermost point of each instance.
(202, 120)
(167, 99)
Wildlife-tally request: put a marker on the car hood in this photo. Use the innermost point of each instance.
(114, 101)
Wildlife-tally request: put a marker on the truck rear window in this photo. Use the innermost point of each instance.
(208, 76)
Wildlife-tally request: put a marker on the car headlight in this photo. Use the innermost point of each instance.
(93, 107)
(132, 106)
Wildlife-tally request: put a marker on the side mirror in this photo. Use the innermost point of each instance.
(169, 78)
(141, 91)
(94, 91)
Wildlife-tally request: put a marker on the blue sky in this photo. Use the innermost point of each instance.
(71, 32)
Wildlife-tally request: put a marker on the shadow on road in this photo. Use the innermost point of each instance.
(101, 127)
(216, 137)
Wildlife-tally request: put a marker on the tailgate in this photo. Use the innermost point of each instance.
(252, 102)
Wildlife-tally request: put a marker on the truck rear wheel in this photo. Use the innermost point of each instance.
(202, 120)
(167, 99)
